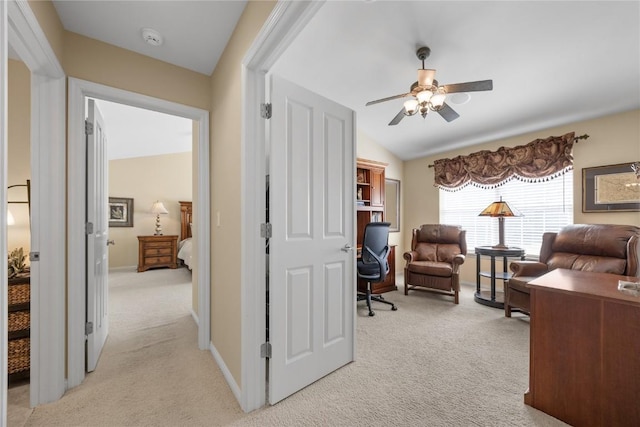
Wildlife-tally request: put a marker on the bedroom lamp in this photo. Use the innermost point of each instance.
(10, 219)
(500, 210)
(158, 209)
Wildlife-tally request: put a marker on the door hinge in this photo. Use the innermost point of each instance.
(265, 230)
(34, 256)
(265, 110)
(88, 328)
(88, 127)
(88, 229)
(265, 350)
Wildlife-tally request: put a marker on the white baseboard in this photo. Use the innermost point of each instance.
(125, 268)
(225, 371)
(195, 317)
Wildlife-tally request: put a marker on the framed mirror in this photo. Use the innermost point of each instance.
(392, 203)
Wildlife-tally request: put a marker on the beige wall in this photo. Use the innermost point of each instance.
(19, 153)
(368, 148)
(51, 25)
(166, 178)
(99, 62)
(613, 139)
(226, 197)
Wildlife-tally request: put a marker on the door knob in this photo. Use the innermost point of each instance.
(110, 242)
(347, 248)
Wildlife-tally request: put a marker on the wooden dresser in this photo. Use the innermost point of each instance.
(19, 297)
(157, 251)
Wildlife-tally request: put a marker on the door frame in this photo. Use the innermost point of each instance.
(286, 21)
(78, 90)
(48, 150)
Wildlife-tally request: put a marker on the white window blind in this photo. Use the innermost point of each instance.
(546, 206)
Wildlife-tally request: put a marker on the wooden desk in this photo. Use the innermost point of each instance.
(585, 349)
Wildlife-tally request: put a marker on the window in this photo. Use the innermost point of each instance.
(545, 206)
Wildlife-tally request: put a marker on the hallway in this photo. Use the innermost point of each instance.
(151, 371)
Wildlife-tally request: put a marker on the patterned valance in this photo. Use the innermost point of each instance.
(538, 160)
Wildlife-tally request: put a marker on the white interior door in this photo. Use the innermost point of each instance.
(97, 237)
(311, 209)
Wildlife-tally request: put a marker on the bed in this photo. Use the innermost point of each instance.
(186, 242)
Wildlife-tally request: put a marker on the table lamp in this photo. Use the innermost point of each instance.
(158, 209)
(10, 219)
(500, 210)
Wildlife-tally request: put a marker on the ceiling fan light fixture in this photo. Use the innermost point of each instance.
(410, 107)
(437, 100)
(427, 95)
(424, 96)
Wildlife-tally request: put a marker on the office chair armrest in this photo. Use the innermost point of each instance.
(381, 260)
(528, 268)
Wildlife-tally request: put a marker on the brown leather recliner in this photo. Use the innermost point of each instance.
(603, 248)
(437, 252)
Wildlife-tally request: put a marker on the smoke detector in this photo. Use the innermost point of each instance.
(151, 36)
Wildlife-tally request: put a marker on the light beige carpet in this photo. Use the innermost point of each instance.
(431, 363)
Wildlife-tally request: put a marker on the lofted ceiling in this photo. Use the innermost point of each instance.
(551, 63)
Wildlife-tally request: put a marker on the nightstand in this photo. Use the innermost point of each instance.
(157, 251)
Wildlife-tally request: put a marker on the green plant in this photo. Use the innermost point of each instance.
(16, 262)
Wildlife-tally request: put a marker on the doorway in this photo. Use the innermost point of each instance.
(78, 91)
(150, 164)
(47, 158)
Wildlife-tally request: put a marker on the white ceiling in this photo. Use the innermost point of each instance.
(195, 33)
(551, 63)
(136, 132)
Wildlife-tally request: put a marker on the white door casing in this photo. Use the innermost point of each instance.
(78, 90)
(287, 19)
(20, 27)
(97, 237)
(311, 210)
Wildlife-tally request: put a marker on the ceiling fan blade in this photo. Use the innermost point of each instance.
(448, 113)
(470, 86)
(377, 101)
(425, 77)
(397, 118)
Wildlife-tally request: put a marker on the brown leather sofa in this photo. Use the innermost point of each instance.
(604, 248)
(437, 252)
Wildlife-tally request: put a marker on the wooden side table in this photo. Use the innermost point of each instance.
(157, 251)
(492, 299)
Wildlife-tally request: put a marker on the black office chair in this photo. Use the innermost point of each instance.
(373, 265)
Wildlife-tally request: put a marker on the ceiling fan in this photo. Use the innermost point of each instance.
(427, 96)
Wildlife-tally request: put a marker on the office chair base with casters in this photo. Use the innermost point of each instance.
(374, 297)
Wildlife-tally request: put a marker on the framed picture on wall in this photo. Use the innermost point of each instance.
(120, 212)
(613, 188)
